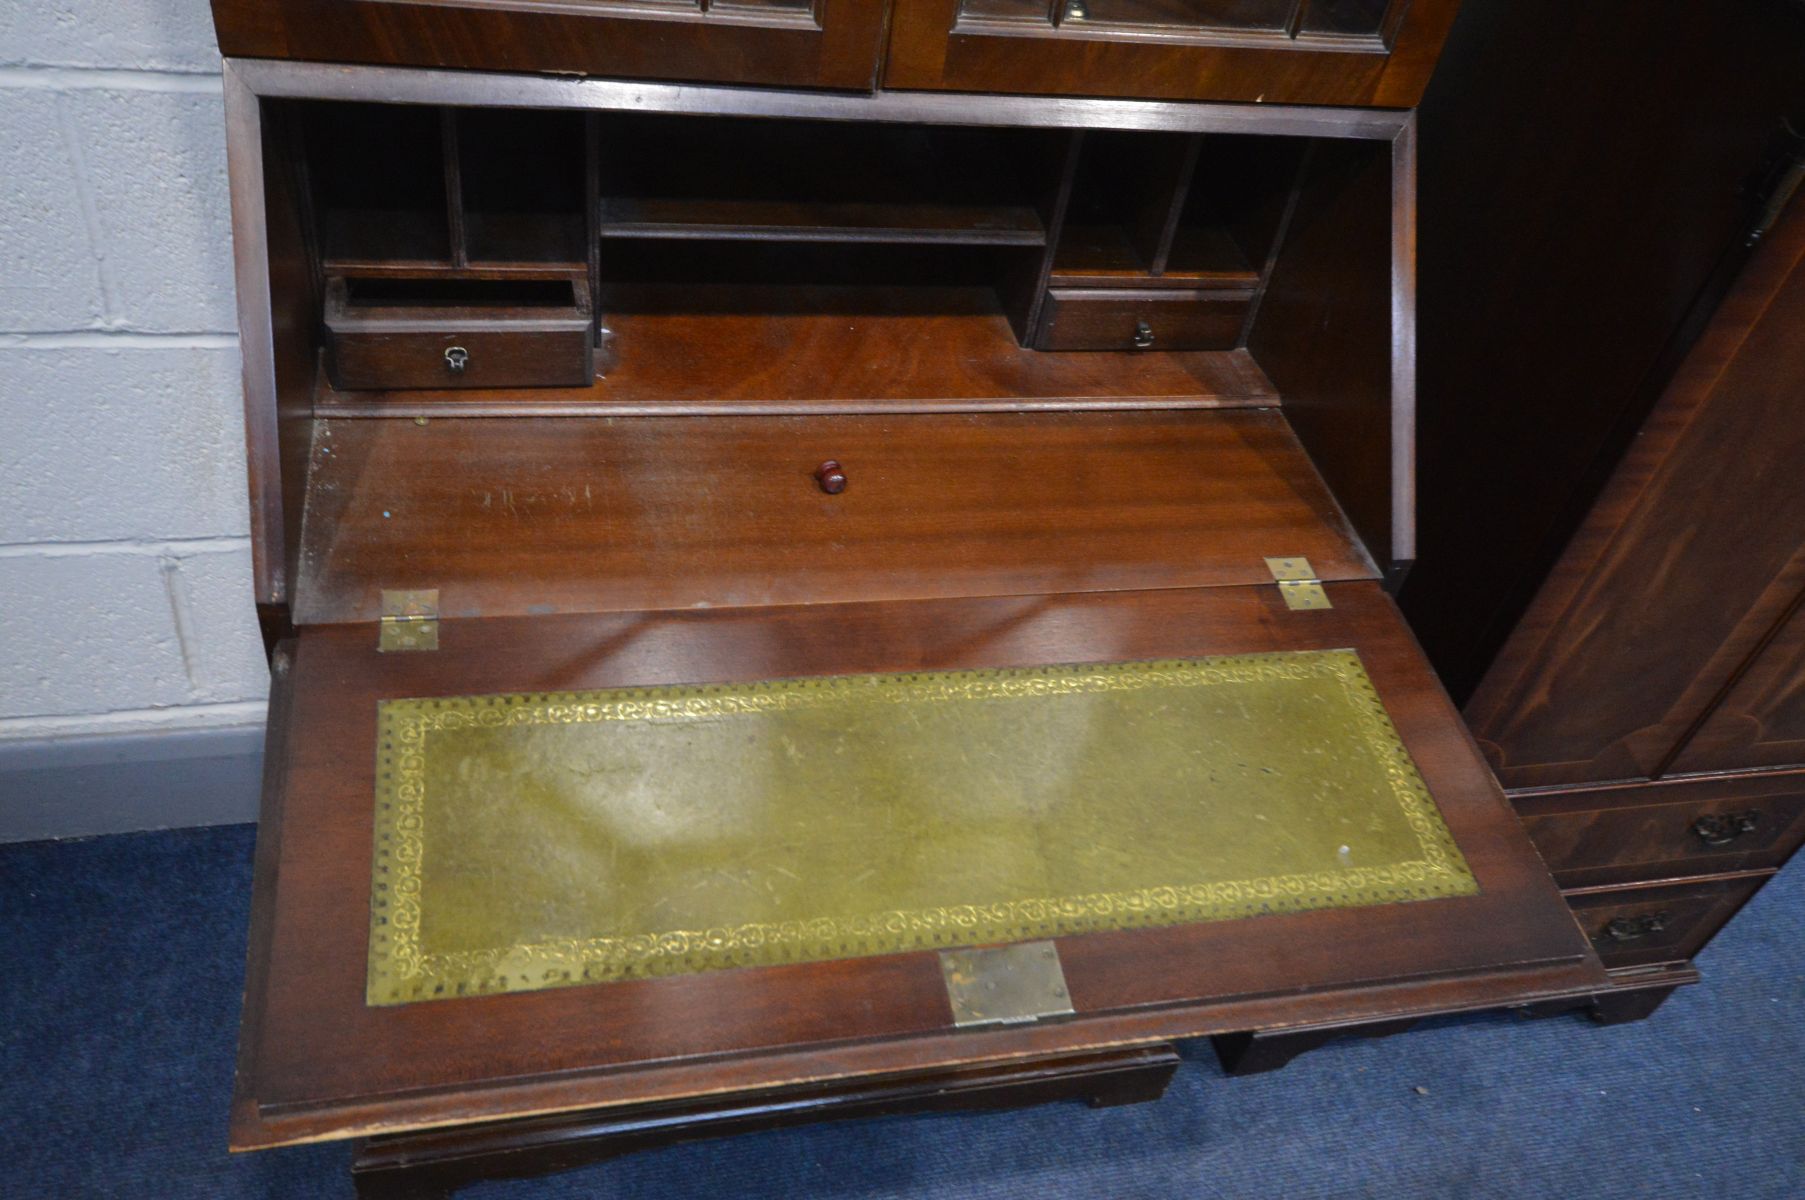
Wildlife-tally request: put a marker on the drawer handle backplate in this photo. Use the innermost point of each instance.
(456, 359)
(1629, 929)
(1720, 829)
(1143, 335)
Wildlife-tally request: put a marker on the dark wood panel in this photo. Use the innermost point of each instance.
(1571, 214)
(1326, 331)
(1635, 832)
(1124, 318)
(591, 39)
(1080, 61)
(712, 349)
(325, 1064)
(1691, 557)
(1632, 927)
(1761, 720)
(536, 1145)
(1102, 256)
(795, 221)
(560, 514)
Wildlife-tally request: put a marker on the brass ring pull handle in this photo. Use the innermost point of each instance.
(831, 478)
(1629, 929)
(1720, 829)
(456, 359)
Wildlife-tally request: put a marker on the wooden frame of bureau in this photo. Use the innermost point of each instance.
(1515, 945)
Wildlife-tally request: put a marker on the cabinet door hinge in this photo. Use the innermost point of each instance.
(410, 620)
(1298, 583)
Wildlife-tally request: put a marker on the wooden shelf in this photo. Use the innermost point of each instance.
(721, 349)
(1089, 251)
(525, 240)
(776, 220)
(370, 241)
(1104, 256)
(1205, 255)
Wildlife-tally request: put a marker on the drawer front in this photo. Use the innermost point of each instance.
(1142, 319)
(489, 358)
(1600, 836)
(458, 333)
(1632, 927)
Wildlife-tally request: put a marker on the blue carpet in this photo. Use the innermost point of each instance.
(120, 968)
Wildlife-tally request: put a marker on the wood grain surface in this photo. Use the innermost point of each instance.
(320, 1063)
(573, 514)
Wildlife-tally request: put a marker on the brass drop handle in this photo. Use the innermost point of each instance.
(456, 359)
(831, 477)
(1720, 829)
(1143, 335)
(1629, 929)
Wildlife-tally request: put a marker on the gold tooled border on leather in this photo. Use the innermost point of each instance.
(401, 971)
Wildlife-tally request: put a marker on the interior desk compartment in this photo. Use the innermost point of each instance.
(458, 333)
(683, 733)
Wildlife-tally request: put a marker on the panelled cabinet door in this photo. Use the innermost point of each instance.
(1761, 720)
(1668, 639)
(785, 43)
(1376, 52)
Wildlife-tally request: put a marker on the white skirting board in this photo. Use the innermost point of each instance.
(126, 782)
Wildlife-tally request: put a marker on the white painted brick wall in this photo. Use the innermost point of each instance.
(121, 444)
(125, 594)
(147, 35)
(49, 277)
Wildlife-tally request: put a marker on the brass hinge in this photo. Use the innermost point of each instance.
(410, 620)
(1298, 583)
(1005, 985)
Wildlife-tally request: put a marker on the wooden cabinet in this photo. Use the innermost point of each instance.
(793, 43)
(1351, 52)
(1577, 228)
(1760, 722)
(1646, 713)
(762, 633)
(1272, 51)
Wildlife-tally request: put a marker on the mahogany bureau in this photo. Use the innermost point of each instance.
(829, 557)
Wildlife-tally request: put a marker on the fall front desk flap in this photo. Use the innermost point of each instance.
(541, 840)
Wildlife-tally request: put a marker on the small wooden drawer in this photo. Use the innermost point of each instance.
(458, 333)
(1142, 319)
(1626, 834)
(1633, 927)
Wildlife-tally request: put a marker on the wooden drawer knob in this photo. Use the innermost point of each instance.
(831, 478)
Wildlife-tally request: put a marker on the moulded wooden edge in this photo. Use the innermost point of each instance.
(1407, 1000)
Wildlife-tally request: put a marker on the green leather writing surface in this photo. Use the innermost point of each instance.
(540, 840)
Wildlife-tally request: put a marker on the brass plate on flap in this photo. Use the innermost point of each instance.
(1005, 985)
(540, 840)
